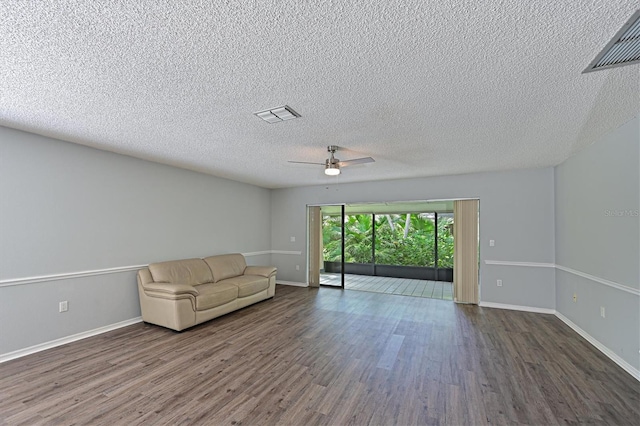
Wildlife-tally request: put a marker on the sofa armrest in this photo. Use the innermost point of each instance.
(170, 288)
(263, 271)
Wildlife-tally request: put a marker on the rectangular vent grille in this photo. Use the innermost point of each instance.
(278, 114)
(623, 49)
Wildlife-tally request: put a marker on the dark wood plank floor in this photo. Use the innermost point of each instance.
(328, 357)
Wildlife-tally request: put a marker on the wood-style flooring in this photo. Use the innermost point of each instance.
(400, 286)
(327, 357)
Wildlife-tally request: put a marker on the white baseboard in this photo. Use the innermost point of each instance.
(68, 339)
(602, 348)
(517, 308)
(293, 283)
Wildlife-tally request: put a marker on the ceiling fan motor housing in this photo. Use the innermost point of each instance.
(332, 162)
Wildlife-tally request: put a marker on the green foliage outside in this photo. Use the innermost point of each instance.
(445, 241)
(395, 245)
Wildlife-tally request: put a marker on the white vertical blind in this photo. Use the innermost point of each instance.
(465, 251)
(315, 245)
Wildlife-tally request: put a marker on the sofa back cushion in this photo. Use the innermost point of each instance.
(226, 266)
(187, 271)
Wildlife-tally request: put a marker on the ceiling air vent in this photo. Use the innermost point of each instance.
(278, 114)
(623, 49)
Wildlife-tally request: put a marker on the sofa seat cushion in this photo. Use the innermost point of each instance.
(212, 295)
(187, 271)
(249, 284)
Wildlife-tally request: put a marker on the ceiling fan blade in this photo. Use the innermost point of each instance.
(356, 161)
(305, 162)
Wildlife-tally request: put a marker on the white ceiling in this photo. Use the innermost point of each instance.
(426, 87)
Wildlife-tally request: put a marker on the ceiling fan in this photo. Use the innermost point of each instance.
(332, 165)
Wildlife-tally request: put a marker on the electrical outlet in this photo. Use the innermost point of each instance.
(602, 312)
(499, 282)
(63, 306)
(492, 243)
(292, 239)
(575, 297)
(297, 267)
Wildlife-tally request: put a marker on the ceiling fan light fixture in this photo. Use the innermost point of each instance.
(332, 169)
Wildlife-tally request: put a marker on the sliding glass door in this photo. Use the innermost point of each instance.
(333, 246)
(410, 240)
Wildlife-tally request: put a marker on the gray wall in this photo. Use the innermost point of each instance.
(66, 208)
(598, 233)
(516, 210)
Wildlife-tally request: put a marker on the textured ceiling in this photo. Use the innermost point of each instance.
(425, 87)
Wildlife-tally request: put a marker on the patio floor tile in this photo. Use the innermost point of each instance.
(399, 286)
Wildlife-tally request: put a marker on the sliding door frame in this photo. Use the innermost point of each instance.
(315, 245)
(312, 238)
(342, 245)
(472, 291)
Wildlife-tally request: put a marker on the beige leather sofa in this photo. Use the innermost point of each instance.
(182, 293)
